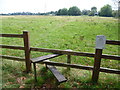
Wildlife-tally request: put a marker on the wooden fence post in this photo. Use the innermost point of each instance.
(68, 61)
(100, 44)
(97, 62)
(27, 51)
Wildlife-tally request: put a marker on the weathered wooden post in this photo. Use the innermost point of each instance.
(27, 50)
(100, 44)
(68, 59)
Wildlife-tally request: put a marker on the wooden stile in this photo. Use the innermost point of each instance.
(97, 56)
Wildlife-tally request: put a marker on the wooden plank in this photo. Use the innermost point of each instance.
(27, 50)
(12, 47)
(112, 42)
(68, 65)
(62, 52)
(113, 57)
(73, 53)
(42, 58)
(12, 58)
(106, 70)
(97, 62)
(57, 74)
(12, 35)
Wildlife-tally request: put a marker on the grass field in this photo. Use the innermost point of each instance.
(60, 32)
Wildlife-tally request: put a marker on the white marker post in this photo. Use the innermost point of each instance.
(100, 41)
(100, 45)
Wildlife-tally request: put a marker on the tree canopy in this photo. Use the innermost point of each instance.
(106, 11)
(74, 11)
(93, 11)
(63, 11)
(85, 12)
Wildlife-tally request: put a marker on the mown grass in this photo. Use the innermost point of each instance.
(63, 32)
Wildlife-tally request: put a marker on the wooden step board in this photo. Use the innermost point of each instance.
(42, 58)
(57, 74)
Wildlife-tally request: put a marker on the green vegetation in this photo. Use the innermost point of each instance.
(59, 32)
(106, 11)
(73, 11)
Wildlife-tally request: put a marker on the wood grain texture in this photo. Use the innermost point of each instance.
(107, 70)
(57, 74)
(42, 58)
(12, 35)
(12, 47)
(12, 58)
(75, 53)
(112, 42)
(97, 62)
(27, 50)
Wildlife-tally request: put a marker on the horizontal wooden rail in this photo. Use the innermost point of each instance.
(12, 35)
(114, 71)
(68, 65)
(12, 58)
(113, 57)
(12, 47)
(62, 52)
(112, 42)
(74, 53)
(107, 70)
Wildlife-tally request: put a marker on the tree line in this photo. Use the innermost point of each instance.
(105, 11)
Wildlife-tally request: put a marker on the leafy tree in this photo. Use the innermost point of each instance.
(93, 11)
(64, 11)
(106, 11)
(116, 13)
(74, 11)
(58, 13)
(85, 12)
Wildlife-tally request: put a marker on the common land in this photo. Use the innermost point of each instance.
(59, 32)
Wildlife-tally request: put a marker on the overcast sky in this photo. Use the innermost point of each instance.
(9, 6)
